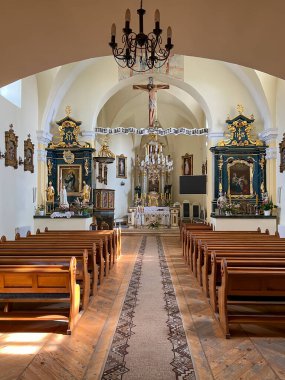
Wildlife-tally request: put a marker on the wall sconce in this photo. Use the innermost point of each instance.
(122, 183)
(2, 155)
(20, 161)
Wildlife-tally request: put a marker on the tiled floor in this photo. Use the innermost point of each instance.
(42, 351)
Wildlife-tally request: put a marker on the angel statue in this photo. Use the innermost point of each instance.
(221, 201)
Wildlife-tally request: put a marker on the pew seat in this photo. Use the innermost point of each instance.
(251, 295)
(34, 284)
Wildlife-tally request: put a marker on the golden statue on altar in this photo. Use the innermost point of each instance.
(50, 192)
(153, 198)
(85, 193)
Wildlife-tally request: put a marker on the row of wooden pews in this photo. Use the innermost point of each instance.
(54, 267)
(242, 273)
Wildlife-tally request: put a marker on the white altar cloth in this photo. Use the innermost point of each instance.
(156, 210)
(146, 215)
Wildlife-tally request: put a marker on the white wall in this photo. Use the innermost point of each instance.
(16, 190)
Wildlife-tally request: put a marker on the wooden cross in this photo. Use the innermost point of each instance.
(152, 96)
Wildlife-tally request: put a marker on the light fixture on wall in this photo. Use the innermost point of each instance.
(141, 52)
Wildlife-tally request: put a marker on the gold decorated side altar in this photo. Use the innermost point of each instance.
(240, 188)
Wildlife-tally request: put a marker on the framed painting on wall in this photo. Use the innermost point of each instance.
(187, 164)
(240, 176)
(11, 145)
(121, 166)
(28, 155)
(70, 176)
(282, 154)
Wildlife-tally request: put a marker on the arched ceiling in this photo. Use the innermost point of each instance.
(37, 35)
(128, 101)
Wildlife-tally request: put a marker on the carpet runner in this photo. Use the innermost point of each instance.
(150, 341)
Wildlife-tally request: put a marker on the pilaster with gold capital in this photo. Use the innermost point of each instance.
(89, 137)
(213, 139)
(44, 138)
(270, 136)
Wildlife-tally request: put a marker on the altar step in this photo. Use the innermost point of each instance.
(174, 231)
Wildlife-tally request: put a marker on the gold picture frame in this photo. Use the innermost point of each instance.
(29, 155)
(240, 179)
(187, 164)
(70, 176)
(121, 166)
(11, 145)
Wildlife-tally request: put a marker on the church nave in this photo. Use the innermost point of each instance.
(40, 351)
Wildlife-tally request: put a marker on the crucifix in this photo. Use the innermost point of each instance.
(152, 96)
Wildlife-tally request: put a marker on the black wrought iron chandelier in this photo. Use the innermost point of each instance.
(141, 52)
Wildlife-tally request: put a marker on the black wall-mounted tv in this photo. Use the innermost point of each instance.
(193, 184)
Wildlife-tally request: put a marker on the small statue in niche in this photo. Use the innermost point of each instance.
(221, 202)
(85, 193)
(50, 166)
(50, 193)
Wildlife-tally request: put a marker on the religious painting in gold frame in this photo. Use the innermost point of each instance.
(28, 155)
(70, 176)
(282, 154)
(187, 164)
(121, 166)
(240, 178)
(11, 145)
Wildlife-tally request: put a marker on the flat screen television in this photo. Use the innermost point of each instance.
(193, 184)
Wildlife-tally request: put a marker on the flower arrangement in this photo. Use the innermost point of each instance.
(267, 205)
(153, 223)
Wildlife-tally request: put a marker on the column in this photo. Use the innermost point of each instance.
(213, 139)
(270, 136)
(44, 138)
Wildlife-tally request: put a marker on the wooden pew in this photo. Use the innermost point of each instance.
(95, 251)
(194, 236)
(82, 274)
(236, 261)
(40, 284)
(104, 257)
(251, 250)
(198, 242)
(251, 287)
(11, 248)
(113, 235)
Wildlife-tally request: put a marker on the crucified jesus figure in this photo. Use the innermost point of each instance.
(152, 96)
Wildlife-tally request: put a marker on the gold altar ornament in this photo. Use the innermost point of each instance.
(69, 130)
(68, 157)
(240, 131)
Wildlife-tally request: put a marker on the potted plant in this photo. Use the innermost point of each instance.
(41, 210)
(267, 207)
(228, 209)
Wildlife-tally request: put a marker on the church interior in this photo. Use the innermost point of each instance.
(142, 196)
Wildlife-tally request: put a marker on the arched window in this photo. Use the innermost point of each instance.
(13, 92)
